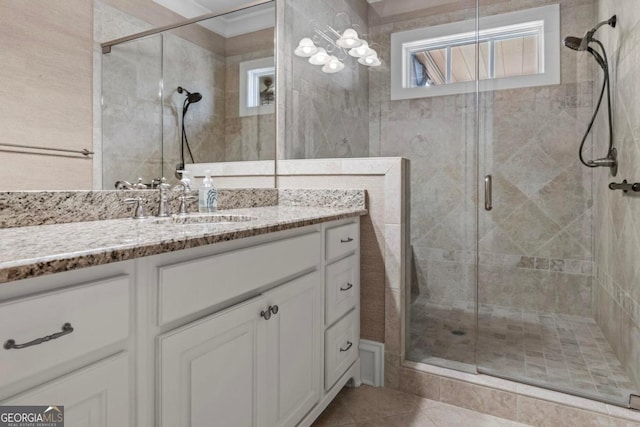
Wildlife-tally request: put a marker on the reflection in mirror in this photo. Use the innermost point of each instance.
(200, 93)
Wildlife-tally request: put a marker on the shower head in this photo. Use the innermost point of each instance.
(581, 44)
(192, 98)
(575, 43)
(572, 42)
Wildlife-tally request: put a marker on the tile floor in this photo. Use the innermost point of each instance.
(381, 407)
(544, 348)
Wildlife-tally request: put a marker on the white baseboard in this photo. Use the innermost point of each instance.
(372, 363)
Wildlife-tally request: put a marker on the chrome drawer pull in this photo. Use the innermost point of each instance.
(349, 344)
(348, 240)
(349, 286)
(66, 330)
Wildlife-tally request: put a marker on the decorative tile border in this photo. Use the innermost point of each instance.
(619, 295)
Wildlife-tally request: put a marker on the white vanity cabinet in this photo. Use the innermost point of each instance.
(254, 364)
(258, 332)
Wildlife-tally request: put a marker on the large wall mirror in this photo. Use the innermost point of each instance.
(198, 93)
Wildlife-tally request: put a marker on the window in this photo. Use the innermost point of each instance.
(517, 49)
(257, 87)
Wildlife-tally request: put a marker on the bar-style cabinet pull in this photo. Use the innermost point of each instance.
(349, 344)
(346, 288)
(66, 330)
(347, 240)
(488, 196)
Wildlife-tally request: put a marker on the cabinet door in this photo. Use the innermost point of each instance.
(96, 396)
(207, 369)
(291, 385)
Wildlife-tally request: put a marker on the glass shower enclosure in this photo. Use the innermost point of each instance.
(490, 109)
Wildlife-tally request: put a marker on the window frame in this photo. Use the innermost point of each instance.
(250, 74)
(402, 44)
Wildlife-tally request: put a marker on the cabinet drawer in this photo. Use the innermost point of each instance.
(188, 287)
(341, 347)
(342, 288)
(342, 240)
(98, 314)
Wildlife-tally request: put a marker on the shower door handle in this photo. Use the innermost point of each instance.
(488, 197)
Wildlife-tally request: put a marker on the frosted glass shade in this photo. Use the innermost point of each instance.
(320, 58)
(362, 50)
(370, 61)
(333, 66)
(306, 48)
(349, 39)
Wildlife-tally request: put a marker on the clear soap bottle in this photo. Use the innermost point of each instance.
(207, 195)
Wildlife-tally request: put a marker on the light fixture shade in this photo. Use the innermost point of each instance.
(306, 48)
(320, 58)
(349, 39)
(333, 66)
(362, 50)
(370, 61)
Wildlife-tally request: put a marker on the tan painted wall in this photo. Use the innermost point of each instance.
(45, 92)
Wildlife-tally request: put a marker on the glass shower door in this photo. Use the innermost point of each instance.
(536, 299)
(132, 112)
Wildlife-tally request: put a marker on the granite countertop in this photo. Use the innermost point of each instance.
(38, 250)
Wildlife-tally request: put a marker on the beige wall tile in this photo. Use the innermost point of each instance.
(420, 383)
(540, 413)
(481, 399)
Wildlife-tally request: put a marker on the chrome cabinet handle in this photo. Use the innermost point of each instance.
(347, 240)
(349, 286)
(349, 344)
(274, 309)
(66, 330)
(488, 196)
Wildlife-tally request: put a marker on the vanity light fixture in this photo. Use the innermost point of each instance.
(330, 48)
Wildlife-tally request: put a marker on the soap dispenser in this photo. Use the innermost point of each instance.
(207, 195)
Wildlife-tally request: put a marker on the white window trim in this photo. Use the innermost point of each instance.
(250, 73)
(551, 47)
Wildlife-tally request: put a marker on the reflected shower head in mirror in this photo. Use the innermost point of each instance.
(582, 44)
(191, 98)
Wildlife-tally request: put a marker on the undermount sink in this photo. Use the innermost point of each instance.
(200, 219)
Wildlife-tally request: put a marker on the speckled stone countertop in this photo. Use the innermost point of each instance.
(45, 249)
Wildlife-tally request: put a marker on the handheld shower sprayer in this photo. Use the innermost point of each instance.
(582, 45)
(191, 98)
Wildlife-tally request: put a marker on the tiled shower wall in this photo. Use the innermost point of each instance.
(326, 114)
(617, 219)
(535, 246)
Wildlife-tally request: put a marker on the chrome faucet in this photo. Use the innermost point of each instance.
(163, 205)
(184, 196)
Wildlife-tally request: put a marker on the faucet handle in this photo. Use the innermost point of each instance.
(183, 203)
(139, 185)
(138, 211)
(163, 203)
